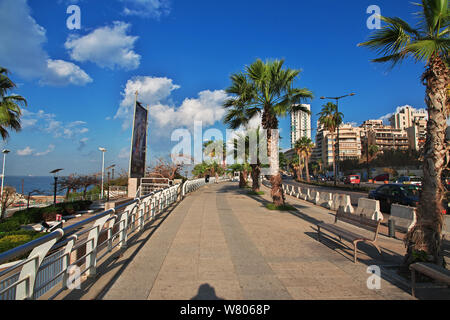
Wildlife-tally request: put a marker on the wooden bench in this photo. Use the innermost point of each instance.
(431, 270)
(371, 226)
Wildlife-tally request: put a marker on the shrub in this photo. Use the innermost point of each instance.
(27, 216)
(11, 240)
(9, 225)
(49, 213)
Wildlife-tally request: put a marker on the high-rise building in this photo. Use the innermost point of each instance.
(414, 122)
(407, 117)
(300, 125)
(388, 138)
(349, 144)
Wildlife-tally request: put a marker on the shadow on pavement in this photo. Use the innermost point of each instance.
(206, 292)
(111, 262)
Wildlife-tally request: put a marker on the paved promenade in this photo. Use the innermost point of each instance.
(221, 243)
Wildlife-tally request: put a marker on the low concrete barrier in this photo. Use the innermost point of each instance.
(306, 195)
(290, 190)
(299, 193)
(369, 208)
(314, 197)
(326, 200)
(405, 217)
(342, 202)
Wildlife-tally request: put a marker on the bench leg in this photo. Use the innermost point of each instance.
(378, 248)
(355, 247)
(413, 283)
(318, 233)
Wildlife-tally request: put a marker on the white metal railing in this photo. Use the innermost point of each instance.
(48, 269)
(117, 192)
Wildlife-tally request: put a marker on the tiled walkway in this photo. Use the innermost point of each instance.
(221, 243)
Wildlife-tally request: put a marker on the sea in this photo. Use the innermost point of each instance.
(45, 185)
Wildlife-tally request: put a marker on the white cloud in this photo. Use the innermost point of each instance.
(47, 122)
(207, 108)
(50, 148)
(62, 73)
(25, 152)
(22, 40)
(147, 8)
(82, 143)
(21, 51)
(108, 47)
(151, 91)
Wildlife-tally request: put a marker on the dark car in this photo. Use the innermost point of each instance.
(382, 177)
(407, 195)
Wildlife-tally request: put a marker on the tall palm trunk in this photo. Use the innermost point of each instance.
(256, 172)
(426, 235)
(300, 167)
(334, 155)
(270, 122)
(307, 169)
(242, 179)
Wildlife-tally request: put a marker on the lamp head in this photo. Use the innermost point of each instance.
(56, 171)
(6, 151)
(102, 149)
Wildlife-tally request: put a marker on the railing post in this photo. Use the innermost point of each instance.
(25, 289)
(124, 221)
(91, 246)
(111, 224)
(66, 262)
(141, 213)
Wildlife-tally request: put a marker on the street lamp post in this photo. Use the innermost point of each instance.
(55, 172)
(5, 152)
(103, 150)
(337, 156)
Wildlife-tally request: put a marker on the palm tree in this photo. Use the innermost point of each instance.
(320, 164)
(331, 119)
(10, 111)
(429, 43)
(304, 148)
(266, 89)
(210, 149)
(373, 150)
(243, 140)
(300, 156)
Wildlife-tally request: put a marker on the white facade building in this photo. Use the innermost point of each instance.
(300, 125)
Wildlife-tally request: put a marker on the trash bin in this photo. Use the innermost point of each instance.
(207, 179)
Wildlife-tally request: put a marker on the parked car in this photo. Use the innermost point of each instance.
(353, 179)
(409, 180)
(404, 194)
(382, 177)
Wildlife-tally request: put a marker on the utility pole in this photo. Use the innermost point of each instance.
(337, 155)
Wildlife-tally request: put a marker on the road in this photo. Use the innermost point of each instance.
(354, 196)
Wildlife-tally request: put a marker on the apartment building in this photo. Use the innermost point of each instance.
(300, 125)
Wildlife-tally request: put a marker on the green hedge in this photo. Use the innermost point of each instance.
(37, 215)
(11, 240)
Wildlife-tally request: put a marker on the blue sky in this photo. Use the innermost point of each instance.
(180, 55)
